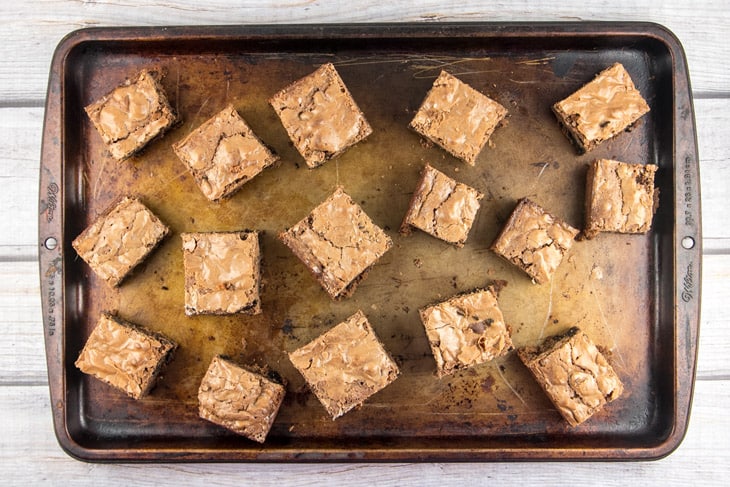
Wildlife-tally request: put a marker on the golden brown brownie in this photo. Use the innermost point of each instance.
(132, 114)
(338, 243)
(222, 272)
(240, 400)
(223, 154)
(125, 355)
(466, 330)
(346, 365)
(603, 108)
(457, 117)
(534, 240)
(620, 197)
(120, 239)
(320, 115)
(442, 207)
(574, 374)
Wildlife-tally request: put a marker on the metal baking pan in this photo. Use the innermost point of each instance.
(637, 295)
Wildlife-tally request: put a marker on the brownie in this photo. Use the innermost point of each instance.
(601, 109)
(222, 272)
(223, 154)
(574, 373)
(125, 355)
(620, 197)
(132, 114)
(320, 115)
(534, 240)
(241, 400)
(345, 365)
(442, 207)
(338, 243)
(116, 242)
(457, 117)
(466, 330)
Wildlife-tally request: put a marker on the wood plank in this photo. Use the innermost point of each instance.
(22, 356)
(714, 149)
(22, 353)
(29, 36)
(31, 455)
(20, 150)
(20, 153)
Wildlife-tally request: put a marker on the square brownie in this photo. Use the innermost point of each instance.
(442, 207)
(466, 330)
(125, 356)
(620, 197)
(601, 109)
(222, 272)
(223, 154)
(238, 399)
(132, 114)
(338, 243)
(320, 115)
(116, 242)
(457, 117)
(346, 365)
(574, 374)
(534, 240)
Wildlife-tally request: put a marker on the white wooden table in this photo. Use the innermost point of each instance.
(28, 450)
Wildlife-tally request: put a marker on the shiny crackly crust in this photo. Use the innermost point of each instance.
(601, 109)
(620, 197)
(338, 243)
(442, 207)
(320, 115)
(240, 400)
(116, 242)
(223, 154)
(574, 374)
(534, 240)
(457, 117)
(465, 331)
(222, 272)
(132, 114)
(345, 365)
(124, 355)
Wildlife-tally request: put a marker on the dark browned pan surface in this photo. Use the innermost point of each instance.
(625, 291)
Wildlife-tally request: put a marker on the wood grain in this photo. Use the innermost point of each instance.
(28, 426)
(29, 38)
(30, 454)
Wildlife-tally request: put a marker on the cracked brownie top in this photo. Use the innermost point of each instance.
(620, 197)
(457, 117)
(574, 373)
(534, 240)
(320, 115)
(466, 330)
(337, 242)
(124, 355)
(238, 399)
(120, 239)
(601, 109)
(442, 207)
(223, 154)
(132, 114)
(345, 365)
(222, 272)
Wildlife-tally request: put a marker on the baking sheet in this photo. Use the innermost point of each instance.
(635, 295)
